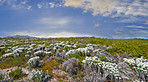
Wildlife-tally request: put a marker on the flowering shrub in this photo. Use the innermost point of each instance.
(47, 53)
(19, 50)
(80, 51)
(39, 53)
(91, 60)
(16, 55)
(33, 62)
(110, 67)
(40, 76)
(7, 55)
(139, 64)
(70, 52)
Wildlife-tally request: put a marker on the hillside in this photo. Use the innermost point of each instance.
(73, 59)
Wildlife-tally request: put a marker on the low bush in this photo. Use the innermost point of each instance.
(16, 74)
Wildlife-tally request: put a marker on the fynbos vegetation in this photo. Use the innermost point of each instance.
(74, 60)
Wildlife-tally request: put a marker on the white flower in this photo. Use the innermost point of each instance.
(94, 58)
(84, 61)
(138, 63)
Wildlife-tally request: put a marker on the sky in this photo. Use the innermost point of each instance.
(74, 18)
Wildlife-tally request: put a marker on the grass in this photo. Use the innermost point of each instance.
(76, 56)
(59, 60)
(50, 66)
(11, 62)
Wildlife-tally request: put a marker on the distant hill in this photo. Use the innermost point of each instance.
(21, 36)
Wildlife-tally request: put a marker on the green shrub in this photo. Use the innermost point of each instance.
(103, 58)
(10, 62)
(59, 60)
(14, 62)
(16, 74)
(76, 56)
(23, 53)
(2, 52)
(1, 76)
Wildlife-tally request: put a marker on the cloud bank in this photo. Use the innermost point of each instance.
(97, 7)
(50, 35)
(111, 7)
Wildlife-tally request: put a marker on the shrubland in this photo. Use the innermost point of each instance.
(85, 59)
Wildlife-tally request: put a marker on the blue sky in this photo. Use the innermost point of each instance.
(73, 18)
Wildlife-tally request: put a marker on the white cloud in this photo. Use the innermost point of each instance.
(135, 8)
(129, 19)
(52, 5)
(135, 26)
(24, 2)
(29, 7)
(16, 4)
(58, 22)
(108, 7)
(54, 21)
(39, 5)
(96, 6)
(50, 35)
(103, 7)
